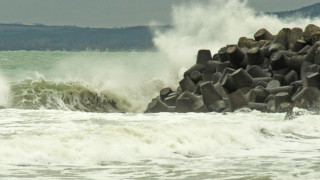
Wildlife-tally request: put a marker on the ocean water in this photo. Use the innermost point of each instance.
(44, 136)
(78, 115)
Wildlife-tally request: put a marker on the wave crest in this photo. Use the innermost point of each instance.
(38, 94)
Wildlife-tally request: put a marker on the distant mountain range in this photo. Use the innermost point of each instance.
(70, 38)
(311, 11)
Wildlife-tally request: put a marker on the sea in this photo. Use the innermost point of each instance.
(58, 123)
(80, 115)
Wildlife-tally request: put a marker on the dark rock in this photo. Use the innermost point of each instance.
(258, 95)
(241, 79)
(282, 72)
(255, 56)
(262, 81)
(278, 61)
(256, 71)
(220, 90)
(310, 57)
(203, 56)
(187, 94)
(157, 106)
(315, 37)
(263, 34)
(306, 97)
(295, 62)
(271, 103)
(165, 92)
(196, 67)
(287, 89)
(317, 56)
(270, 74)
(312, 80)
(225, 72)
(266, 64)
(291, 77)
(298, 45)
(216, 57)
(265, 50)
(236, 100)
(211, 66)
(218, 106)
(235, 55)
(179, 90)
(295, 85)
(209, 94)
(187, 84)
(228, 83)
(199, 106)
(296, 34)
(207, 75)
(258, 106)
(305, 50)
(250, 43)
(197, 89)
(280, 78)
(171, 99)
(196, 76)
(282, 97)
(281, 41)
(183, 105)
(245, 90)
(309, 30)
(185, 101)
(221, 67)
(223, 54)
(215, 77)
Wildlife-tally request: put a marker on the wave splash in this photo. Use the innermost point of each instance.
(4, 91)
(213, 24)
(76, 96)
(39, 94)
(122, 82)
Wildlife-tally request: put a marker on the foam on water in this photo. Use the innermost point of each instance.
(88, 140)
(78, 145)
(4, 91)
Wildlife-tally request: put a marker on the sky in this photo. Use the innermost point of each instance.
(111, 13)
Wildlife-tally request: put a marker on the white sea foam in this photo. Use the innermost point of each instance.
(213, 24)
(4, 91)
(85, 138)
(131, 79)
(186, 145)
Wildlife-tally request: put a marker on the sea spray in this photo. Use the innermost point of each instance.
(212, 24)
(130, 79)
(4, 91)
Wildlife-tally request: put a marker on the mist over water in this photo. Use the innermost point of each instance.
(4, 91)
(132, 79)
(213, 24)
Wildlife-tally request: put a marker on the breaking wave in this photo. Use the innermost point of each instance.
(126, 82)
(31, 94)
(213, 24)
(75, 96)
(4, 91)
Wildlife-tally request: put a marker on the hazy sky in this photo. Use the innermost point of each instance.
(110, 13)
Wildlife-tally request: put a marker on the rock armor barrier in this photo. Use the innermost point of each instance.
(269, 73)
